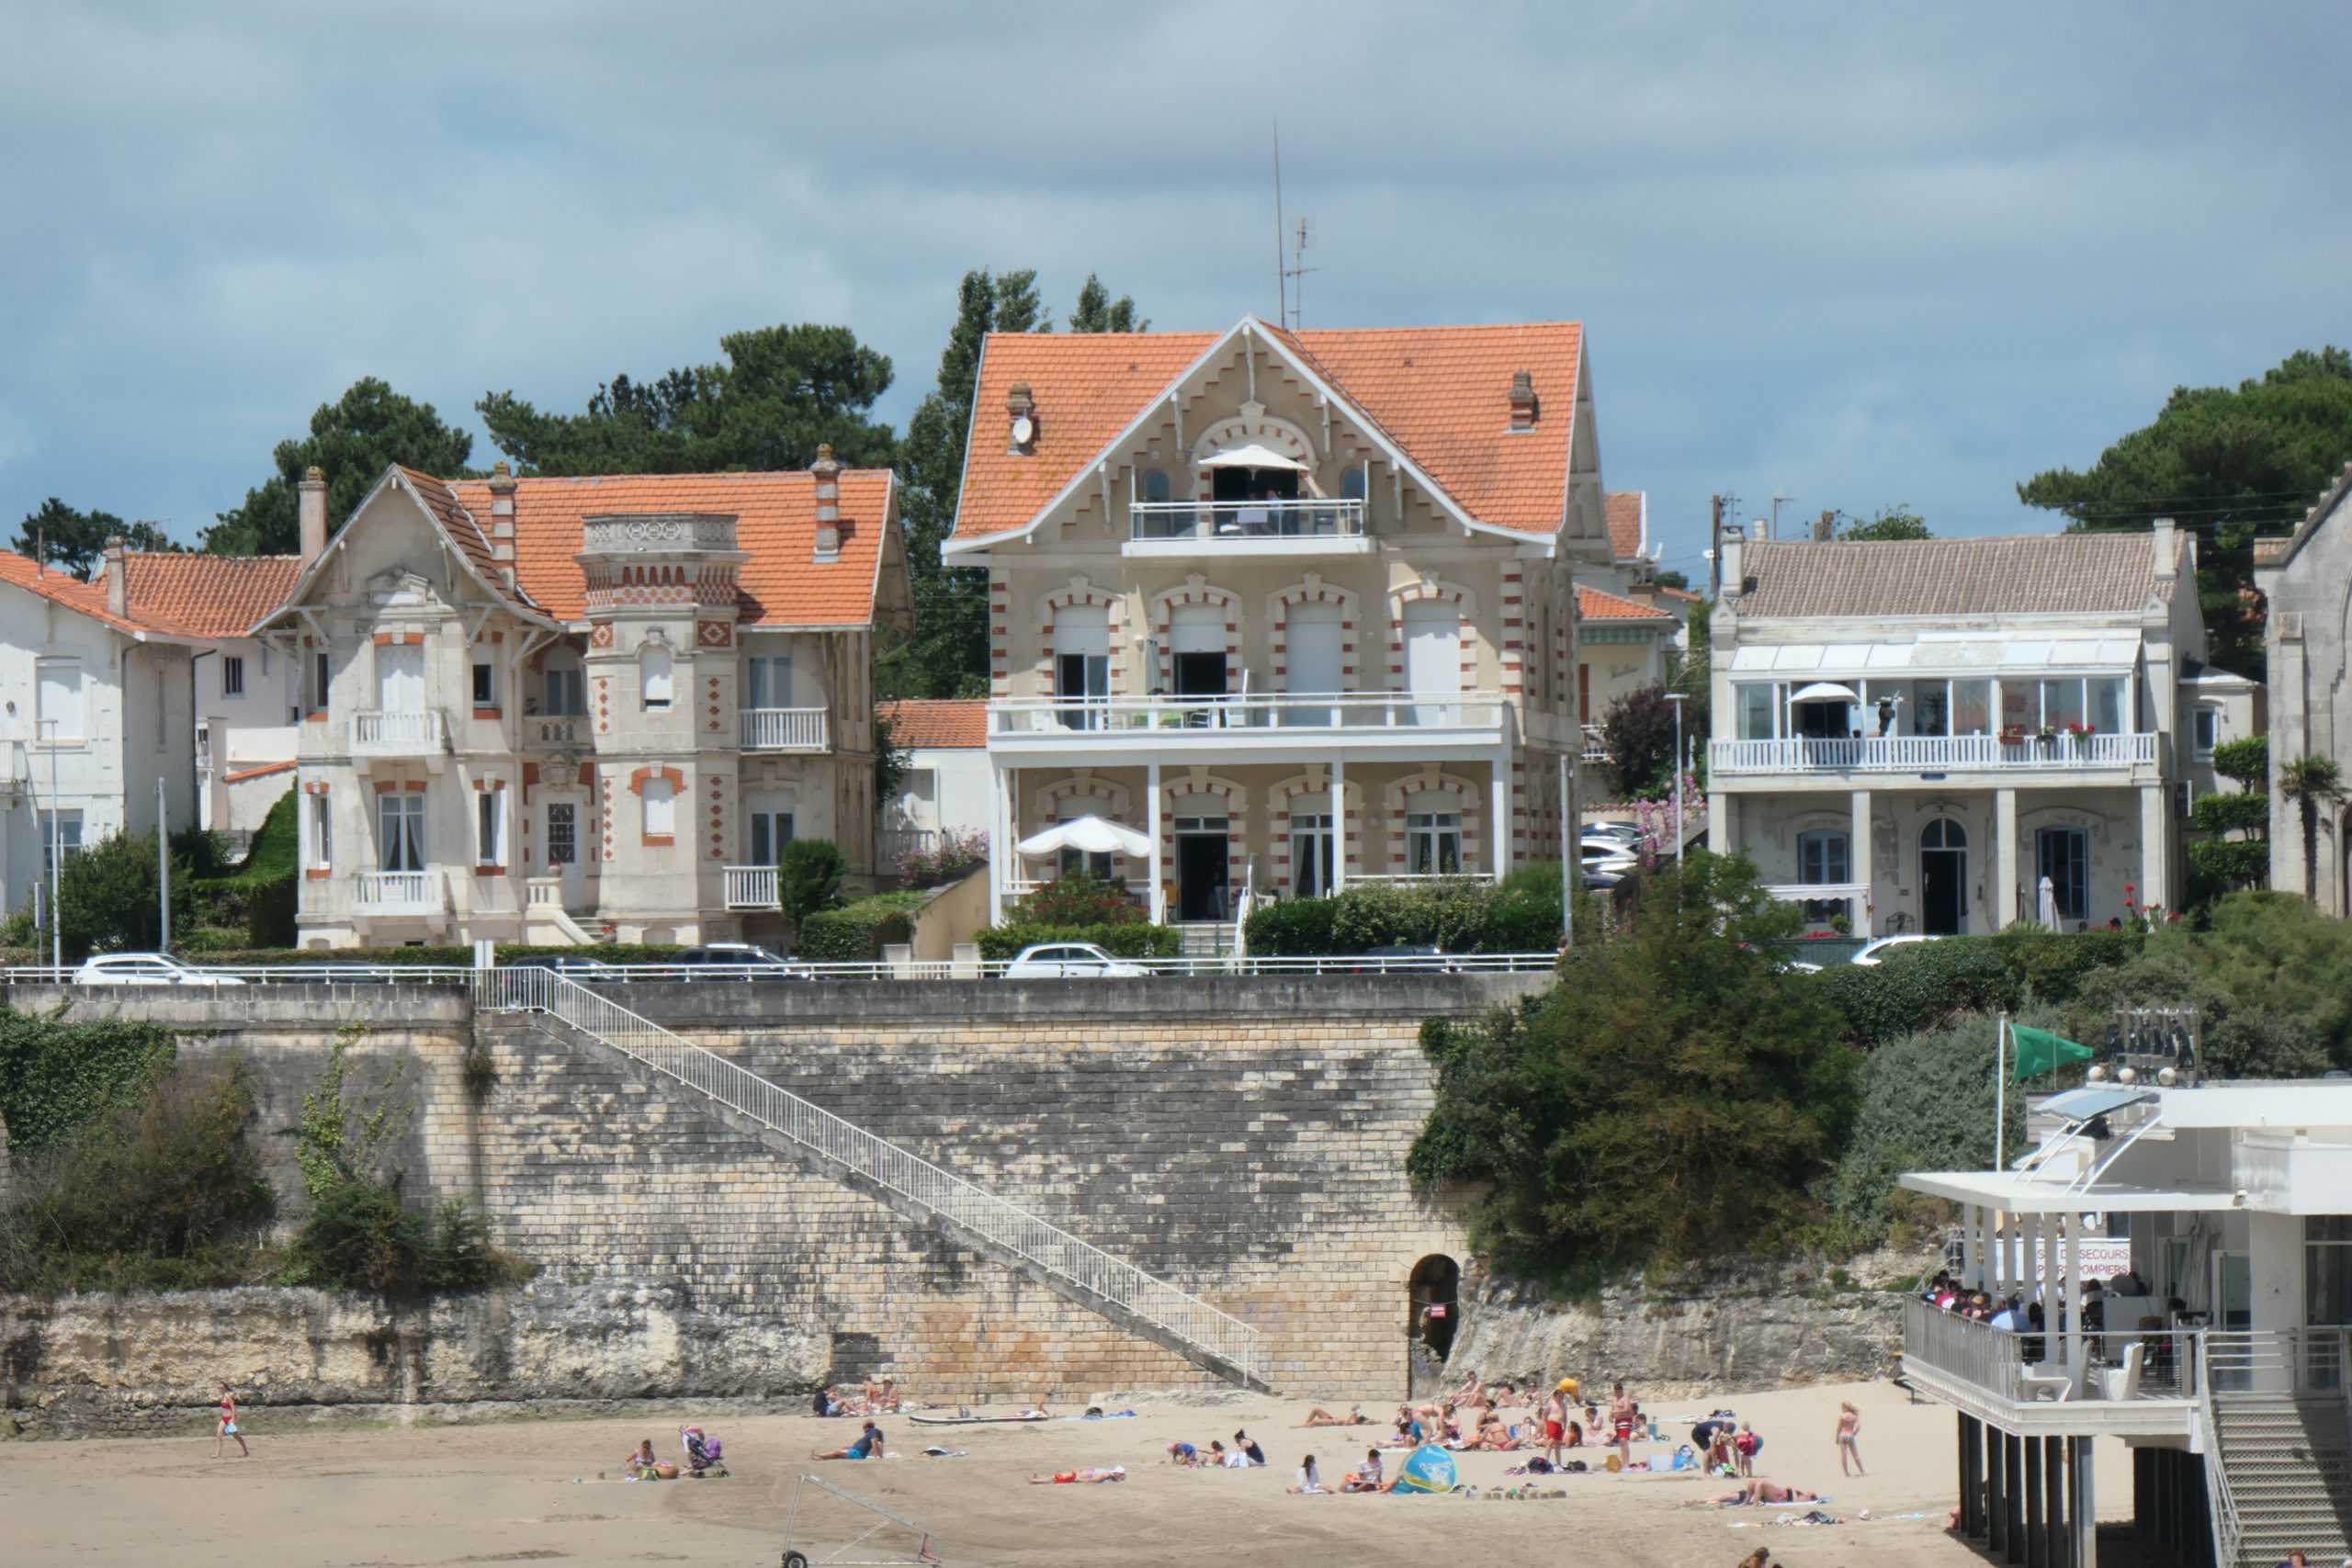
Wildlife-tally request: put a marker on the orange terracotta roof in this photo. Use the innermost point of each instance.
(263, 770)
(90, 598)
(931, 722)
(205, 594)
(1593, 605)
(1439, 394)
(1670, 591)
(775, 526)
(1625, 510)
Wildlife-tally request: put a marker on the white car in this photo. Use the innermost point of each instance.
(147, 969)
(1872, 951)
(1070, 961)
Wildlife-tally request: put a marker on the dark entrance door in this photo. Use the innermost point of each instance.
(1200, 675)
(1943, 878)
(1200, 876)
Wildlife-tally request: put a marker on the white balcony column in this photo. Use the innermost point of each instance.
(2156, 845)
(1001, 854)
(1860, 838)
(1723, 823)
(2073, 1222)
(1339, 824)
(1972, 1253)
(2033, 1266)
(1159, 902)
(2004, 858)
(1499, 817)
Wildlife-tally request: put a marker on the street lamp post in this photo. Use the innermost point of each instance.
(56, 857)
(1677, 699)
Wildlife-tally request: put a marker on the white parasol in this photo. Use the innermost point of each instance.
(1089, 835)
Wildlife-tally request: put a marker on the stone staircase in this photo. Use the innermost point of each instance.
(909, 1185)
(2286, 1467)
(1206, 939)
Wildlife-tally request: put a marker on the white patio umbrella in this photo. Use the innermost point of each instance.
(1088, 835)
(2046, 910)
(1824, 692)
(1250, 457)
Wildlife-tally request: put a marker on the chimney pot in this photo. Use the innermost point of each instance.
(311, 511)
(1728, 553)
(2166, 546)
(1522, 400)
(1021, 421)
(118, 579)
(829, 505)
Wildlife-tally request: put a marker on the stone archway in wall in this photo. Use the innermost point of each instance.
(1434, 1309)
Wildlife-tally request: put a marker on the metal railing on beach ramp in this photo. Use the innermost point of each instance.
(1075, 1270)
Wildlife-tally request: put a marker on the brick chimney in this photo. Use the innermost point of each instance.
(829, 505)
(1522, 400)
(2168, 551)
(118, 579)
(1020, 422)
(311, 509)
(501, 520)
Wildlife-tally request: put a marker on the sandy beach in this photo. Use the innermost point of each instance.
(527, 1491)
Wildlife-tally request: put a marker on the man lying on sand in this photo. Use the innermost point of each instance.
(868, 1446)
(1067, 1477)
(1758, 1490)
(1319, 1416)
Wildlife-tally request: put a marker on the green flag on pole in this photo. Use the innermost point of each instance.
(2038, 1051)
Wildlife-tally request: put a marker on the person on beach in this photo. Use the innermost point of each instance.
(868, 1446)
(1247, 1446)
(226, 1428)
(1757, 1558)
(1319, 1416)
(1365, 1477)
(1067, 1477)
(640, 1464)
(1184, 1454)
(1849, 1431)
(1622, 1413)
(1310, 1480)
(1746, 1447)
(1759, 1491)
(1555, 1422)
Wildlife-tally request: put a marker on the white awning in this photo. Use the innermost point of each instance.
(1824, 692)
(1251, 457)
(1941, 653)
(1088, 835)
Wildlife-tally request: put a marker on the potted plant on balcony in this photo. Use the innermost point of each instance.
(2012, 735)
(2081, 734)
(2047, 736)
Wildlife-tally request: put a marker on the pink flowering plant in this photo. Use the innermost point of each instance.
(958, 855)
(1656, 818)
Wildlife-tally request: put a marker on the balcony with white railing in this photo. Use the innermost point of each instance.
(784, 729)
(2142, 1382)
(400, 735)
(556, 730)
(1239, 728)
(1317, 525)
(751, 887)
(400, 893)
(1934, 754)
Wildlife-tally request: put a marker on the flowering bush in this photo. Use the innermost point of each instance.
(1079, 899)
(1655, 818)
(957, 855)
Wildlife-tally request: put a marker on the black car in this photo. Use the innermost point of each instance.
(734, 960)
(1403, 958)
(572, 966)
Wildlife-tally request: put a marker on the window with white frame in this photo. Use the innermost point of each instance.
(490, 826)
(1313, 846)
(660, 798)
(399, 830)
(767, 681)
(563, 685)
(1433, 834)
(656, 673)
(322, 682)
(2205, 723)
(485, 685)
(563, 832)
(60, 714)
(232, 675)
(61, 832)
(321, 834)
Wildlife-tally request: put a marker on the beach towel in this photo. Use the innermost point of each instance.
(1427, 1469)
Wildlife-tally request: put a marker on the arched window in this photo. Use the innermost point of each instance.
(1352, 483)
(1943, 833)
(655, 668)
(1155, 484)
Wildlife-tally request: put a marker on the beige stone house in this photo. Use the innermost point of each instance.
(1917, 734)
(1291, 608)
(2308, 629)
(560, 709)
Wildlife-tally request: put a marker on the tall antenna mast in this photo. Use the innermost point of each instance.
(1296, 272)
(1290, 250)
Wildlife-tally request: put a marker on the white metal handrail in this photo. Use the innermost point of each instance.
(784, 729)
(392, 732)
(1035, 1240)
(1176, 715)
(1316, 517)
(1928, 753)
(749, 886)
(397, 890)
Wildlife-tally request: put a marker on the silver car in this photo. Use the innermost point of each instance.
(1070, 960)
(147, 969)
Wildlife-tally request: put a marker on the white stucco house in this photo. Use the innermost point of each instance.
(944, 790)
(1917, 734)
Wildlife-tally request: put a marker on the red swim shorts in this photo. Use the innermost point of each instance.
(1553, 1431)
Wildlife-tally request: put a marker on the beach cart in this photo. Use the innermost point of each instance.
(881, 1539)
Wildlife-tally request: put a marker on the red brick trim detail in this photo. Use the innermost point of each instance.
(490, 871)
(317, 873)
(637, 779)
(659, 840)
(487, 713)
(386, 786)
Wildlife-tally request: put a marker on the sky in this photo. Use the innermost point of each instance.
(1857, 256)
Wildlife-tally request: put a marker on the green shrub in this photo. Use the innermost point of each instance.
(1926, 1104)
(855, 933)
(2246, 763)
(808, 878)
(2052, 963)
(1130, 941)
(259, 897)
(1079, 899)
(1920, 986)
(2222, 865)
(2231, 813)
(1291, 927)
(54, 1076)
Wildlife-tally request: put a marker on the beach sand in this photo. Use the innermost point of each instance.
(526, 1491)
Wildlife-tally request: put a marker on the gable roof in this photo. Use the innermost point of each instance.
(205, 595)
(2025, 574)
(1440, 395)
(1629, 520)
(88, 598)
(2278, 552)
(1597, 604)
(935, 723)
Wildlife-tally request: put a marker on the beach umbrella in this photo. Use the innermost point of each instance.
(1427, 1469)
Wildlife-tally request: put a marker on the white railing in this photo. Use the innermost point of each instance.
(561, 729)
(1171, 718)
(784, 729)
(1311, 519)
(397, 892)
(1079, 1265)
(1928, 753)
(2299, 1362)
(391, 733)
(751, 886)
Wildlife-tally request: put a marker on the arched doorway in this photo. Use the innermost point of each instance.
(1434, 1290)
(1943, 878)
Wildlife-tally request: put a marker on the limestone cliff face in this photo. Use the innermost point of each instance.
(1724, 1330)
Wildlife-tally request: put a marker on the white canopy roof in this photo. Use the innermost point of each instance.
(1088, 835)
(1250, 457)
(1948, 654)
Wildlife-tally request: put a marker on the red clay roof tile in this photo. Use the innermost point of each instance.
(1625, 514)
(207, 595)
(1595, 604)
(934, 722)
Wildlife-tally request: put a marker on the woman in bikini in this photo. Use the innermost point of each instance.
(1849, 1430)
(1762, 1491)
(227, 1426)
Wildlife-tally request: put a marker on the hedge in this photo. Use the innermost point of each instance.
(1924, 986)
(1455, 916)
(856, 933)
(1135, 941)
(443, 957)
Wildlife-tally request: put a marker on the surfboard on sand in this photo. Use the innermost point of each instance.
(1024, 1417)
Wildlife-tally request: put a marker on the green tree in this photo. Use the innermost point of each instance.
(2245, 763)
(783, 391)
(809, 877)
(74, 540)
(105, 897)
(1898, 522)
(1637, 731)
(2233, 463)
(1098, 312)
(1676, 1094)
(948, 656)
(353, 439)
(2313, 784)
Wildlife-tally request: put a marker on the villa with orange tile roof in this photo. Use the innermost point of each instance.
(944, 789)
(559, 709)
(1295, 608)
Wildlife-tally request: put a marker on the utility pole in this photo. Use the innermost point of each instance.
(163, 870)
(56, 858)
(1716, 546)
(1677, 699)
(1777, 499)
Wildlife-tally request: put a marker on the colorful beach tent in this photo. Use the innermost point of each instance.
(1427, 1469)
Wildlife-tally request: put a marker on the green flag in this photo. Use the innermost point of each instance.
(2038, 1051)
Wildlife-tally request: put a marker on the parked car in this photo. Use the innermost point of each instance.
(1403, 958)
(1070, 960)
(734, 960)
(572, 966)
(1872, 951)
(147, 969)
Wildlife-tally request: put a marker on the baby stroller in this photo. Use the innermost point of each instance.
(704, 1452)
